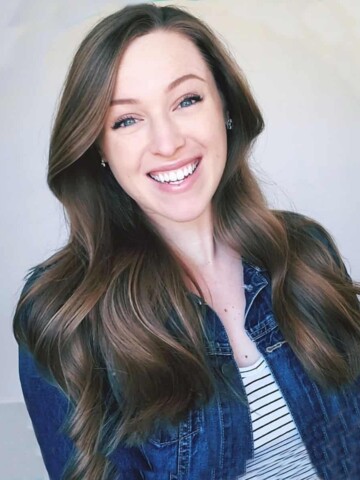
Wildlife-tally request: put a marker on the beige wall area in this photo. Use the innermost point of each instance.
(301, 58)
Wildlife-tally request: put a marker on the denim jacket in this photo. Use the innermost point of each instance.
(214, 441)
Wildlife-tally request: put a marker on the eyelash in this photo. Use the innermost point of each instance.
(193, 99)
(120, 123)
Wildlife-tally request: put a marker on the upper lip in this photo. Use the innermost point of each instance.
(175, 166)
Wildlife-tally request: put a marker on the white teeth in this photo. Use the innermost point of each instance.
(175, 175)
(180, 175)
(172, 176)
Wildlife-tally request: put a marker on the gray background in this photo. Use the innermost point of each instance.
(301, 59)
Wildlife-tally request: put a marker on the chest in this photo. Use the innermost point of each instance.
(226, 297)
(216, 441)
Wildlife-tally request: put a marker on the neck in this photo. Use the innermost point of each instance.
(195, 244)
(193, 241)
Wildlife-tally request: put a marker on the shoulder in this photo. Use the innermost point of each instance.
(48, 406)
(297, 223)
(29, 368)
(307, 237)
(25, 311)
(27, 305)
(30, 279)
(32, 275)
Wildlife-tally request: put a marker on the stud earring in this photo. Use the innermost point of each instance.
(229, 124)
(103, 164)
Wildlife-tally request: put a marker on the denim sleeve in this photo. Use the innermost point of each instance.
(47, 405)
(48, 408)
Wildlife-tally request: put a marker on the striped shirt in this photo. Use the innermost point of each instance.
(279, 452)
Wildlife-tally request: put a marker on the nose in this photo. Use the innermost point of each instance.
(166, 137)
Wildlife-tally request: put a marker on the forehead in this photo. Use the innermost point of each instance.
(156, 59)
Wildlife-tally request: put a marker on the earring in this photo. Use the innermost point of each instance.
(229, 124)
(103, 164)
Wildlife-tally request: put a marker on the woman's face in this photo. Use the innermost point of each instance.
(164, 137)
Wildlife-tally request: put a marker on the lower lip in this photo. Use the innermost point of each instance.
(182, 186)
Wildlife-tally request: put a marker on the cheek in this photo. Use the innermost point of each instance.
(123, 157)
(213, 123)
(125, 165)
(123, 174)
(216, 137)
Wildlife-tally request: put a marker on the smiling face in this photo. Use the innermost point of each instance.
(164, 137)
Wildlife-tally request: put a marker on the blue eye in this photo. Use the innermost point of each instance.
(124, 122)
(189, 100)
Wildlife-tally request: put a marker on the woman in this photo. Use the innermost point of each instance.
(185, 331)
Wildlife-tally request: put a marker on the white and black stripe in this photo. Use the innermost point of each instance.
(279, 452)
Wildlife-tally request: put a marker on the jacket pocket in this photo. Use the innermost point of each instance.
(166, 433)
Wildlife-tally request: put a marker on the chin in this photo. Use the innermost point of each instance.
(187, 215)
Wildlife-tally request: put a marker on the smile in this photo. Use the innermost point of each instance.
(175, 176)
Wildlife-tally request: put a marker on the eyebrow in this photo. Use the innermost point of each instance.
(171, 86)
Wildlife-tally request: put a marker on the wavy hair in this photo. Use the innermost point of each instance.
(109, 315)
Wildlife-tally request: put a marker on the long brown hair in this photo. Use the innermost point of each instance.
(109, 315)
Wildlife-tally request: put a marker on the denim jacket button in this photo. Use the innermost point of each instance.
(248, 288)
(227, 369)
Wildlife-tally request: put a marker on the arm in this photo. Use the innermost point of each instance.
(47, 405)
(48, 408)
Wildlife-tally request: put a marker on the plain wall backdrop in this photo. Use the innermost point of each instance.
(302, 61)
